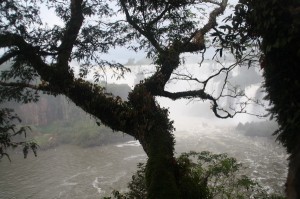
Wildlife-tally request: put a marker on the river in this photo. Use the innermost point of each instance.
(71, 172)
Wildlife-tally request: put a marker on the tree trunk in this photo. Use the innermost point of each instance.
(282, 84)
(160, 171)
(277, 23)
(154, 131)
(293, 179)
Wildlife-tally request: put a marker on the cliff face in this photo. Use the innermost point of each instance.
(49, 108)
(35, 114)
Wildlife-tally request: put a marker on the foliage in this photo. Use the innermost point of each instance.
(280, 63)
(274, 26)
(206, 175)
(8, 133)
(81, 132)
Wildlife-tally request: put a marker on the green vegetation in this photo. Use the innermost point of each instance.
(84, 133)
(9, 131)
(55, 120)
(277, 24)
(204, 175)
(273, 27)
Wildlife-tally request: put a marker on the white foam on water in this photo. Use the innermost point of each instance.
(61, 194)
(115, 179)
(130, 143)
(66, 181)
(134, 156)
(69, 183)
(96, 183)
(102, 181)
(107, 165)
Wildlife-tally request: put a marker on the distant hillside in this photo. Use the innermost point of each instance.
(260, 129)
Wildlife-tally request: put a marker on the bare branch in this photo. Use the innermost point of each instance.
(203, 96)
(190, 77)
(234, 92)
(186, 77)
(187, 95)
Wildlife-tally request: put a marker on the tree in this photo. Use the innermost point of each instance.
(41, 61)
(275, 26)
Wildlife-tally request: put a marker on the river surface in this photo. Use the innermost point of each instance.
(71, 172)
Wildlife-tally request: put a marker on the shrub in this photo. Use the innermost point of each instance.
(11, 135)
(203, 175)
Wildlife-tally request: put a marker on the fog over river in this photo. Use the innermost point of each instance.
(71, 172)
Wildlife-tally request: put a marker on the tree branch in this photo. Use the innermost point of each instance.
(8, 55)
(30, 52)
(160, 16)
(70, 35)
(197, 38)
(10, 40)
(112, 112)
(203, 96)
(187, 95)
(148, 34)
(212, 21)
(40, 87)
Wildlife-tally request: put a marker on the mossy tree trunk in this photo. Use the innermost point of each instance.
(277, 23)
(282, 82)
(154, 131)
